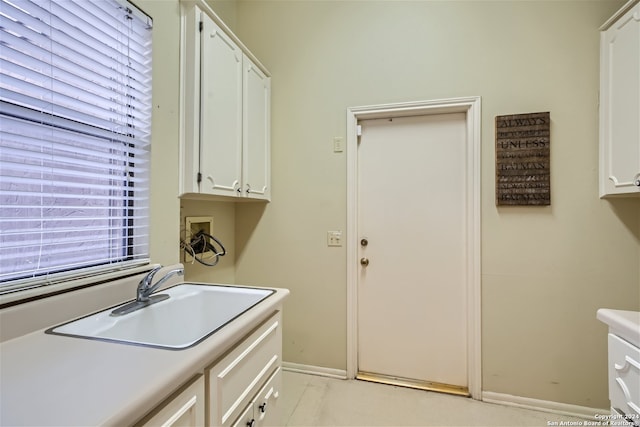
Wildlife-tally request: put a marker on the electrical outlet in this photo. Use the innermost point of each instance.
(334, 238)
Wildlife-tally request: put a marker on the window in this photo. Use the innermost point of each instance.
(75, 122)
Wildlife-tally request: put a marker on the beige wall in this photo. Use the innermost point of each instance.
(165, 130)
(226, 10)
(545, 271)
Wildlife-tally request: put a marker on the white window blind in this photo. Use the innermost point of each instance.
(75, 118)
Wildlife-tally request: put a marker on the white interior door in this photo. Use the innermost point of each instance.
(412, 295)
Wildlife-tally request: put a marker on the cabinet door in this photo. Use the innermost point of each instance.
(624, 377)
(237, 378)
(220, 112)
(185, 408)
(620, 105)
(256, 132)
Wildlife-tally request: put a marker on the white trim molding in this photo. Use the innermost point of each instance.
(544, 405)
(471, 107)
(340, 374)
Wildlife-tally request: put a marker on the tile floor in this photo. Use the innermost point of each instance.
(310, 400)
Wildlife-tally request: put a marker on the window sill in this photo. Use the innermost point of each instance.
(44, 291)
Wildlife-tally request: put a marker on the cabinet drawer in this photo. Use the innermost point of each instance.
(263, 409)
(266, 408)
(234, 381)
(624, 376)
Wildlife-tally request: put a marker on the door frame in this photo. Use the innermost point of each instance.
(471, 107)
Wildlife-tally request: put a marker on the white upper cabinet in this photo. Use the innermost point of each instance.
(620, 103)
(256, 163)
(225, 149)
(220, 111)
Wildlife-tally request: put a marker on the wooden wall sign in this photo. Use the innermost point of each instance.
(522, 159)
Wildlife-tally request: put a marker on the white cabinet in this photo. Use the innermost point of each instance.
(620, 103)
(624, 364)
(624, 378)
(262, 410)
(225, 149)
(244, 386)
(256, 131)
(220, 111)
(184, 408)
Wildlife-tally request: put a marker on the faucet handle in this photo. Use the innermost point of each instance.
(146, 281)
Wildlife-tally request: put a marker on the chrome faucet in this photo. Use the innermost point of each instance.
(144, 291)
(144, 287)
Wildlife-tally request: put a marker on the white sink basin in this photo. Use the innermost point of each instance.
(192, 313)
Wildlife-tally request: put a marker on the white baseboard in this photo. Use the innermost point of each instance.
(314, 370)
(487, 396)
(543, 405)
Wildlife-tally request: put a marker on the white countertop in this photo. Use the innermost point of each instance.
(625, 324)
(51, 380)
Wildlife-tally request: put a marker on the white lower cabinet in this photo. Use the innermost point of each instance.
(185, 408)
(263, 409)
(624, 378)
(240, 389)
(246, 382)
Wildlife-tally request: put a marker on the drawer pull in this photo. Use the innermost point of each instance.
(263, 407)
(251, 423)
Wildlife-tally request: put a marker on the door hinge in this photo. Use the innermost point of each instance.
(199, 178)
(359, 130)
(200, 26)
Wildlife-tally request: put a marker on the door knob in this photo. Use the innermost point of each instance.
(364, 261)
